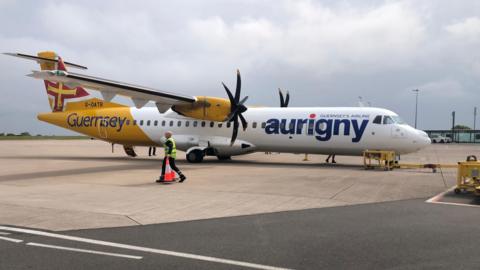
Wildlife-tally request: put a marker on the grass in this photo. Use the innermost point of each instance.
(19, 137)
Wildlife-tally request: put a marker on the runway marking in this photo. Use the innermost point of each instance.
(143, 249)
(436, 198)
(85, 251)
(4, 233)
(11, 239)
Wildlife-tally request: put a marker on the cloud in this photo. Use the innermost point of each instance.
(468, 30)
(319, 39)
(326, 52)
(446, 88)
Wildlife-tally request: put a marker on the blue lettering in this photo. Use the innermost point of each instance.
(324, 134)
(291, 127)
(346, 126)
(73, 120)
(358, 130)
(272, 126)
(323, 129)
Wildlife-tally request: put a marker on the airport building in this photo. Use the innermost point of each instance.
(457, 136)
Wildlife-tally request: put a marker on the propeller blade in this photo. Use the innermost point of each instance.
(238, 87)
(244, 122)
(242, 101)
(230, 116)
(235, 131)
(287, 99)
(282, 103)
(230, 96)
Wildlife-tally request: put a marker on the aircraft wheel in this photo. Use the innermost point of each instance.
(224, 157)
(195, 156)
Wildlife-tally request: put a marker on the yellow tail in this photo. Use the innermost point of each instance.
(61, 97)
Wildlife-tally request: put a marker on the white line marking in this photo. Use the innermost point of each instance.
(457, 204)
(11, 239)
(437, 197)
(85, 251)
(4, 233)
(144, 249)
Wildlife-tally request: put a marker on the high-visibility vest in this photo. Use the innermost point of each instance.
(174, 148)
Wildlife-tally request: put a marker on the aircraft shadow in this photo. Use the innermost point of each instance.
(152, 163)
(207, 161)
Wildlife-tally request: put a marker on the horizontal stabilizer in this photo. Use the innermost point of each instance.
(44, 60)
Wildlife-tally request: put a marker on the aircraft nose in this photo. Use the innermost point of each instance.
(423, 138)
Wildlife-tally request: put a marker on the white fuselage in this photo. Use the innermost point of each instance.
(316, 130)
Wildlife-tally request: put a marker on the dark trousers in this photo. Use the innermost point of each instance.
(152, 151)
(172, 164)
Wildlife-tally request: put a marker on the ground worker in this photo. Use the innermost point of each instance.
(171, 155)
(331, 156)
(152, 151)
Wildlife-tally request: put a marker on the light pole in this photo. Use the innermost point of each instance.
(416, 105)
(474, 122)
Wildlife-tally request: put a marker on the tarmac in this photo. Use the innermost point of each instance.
(81, 184)
(77, 205)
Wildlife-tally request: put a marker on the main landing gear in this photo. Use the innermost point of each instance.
(195, 156)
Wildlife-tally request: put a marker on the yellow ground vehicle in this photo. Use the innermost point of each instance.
(382, 159)
(468, 176)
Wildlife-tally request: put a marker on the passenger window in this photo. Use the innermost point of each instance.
(220, 125)
(148, 123)
(163, 123)
(179, 123)
(141, 122)
(387, 120)
(228, 124)
(264, 124)
(128, 122)
(171, 123)
(211, 124)
(195, 123)
(187, 123)
(203, 123)
(134, 122)
(155, 123)
(378, 119)
(254, 125)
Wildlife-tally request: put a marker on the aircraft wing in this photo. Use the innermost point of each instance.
(140, 95)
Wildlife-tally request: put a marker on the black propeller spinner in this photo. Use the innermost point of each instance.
(236, 108)
(283, 101)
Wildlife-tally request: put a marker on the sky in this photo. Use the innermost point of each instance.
(326, 53)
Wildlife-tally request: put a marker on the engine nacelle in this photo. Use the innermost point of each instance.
(205, 108)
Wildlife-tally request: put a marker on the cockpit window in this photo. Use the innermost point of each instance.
(378, 119)
(387, 120)
(398, 120)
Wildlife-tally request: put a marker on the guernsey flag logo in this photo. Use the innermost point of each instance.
(60, 93)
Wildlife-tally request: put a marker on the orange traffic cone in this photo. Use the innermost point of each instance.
(169, 173)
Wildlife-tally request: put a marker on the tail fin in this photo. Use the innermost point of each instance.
(58, 93)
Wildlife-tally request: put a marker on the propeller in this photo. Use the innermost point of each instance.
(237, 107)
(283, 101)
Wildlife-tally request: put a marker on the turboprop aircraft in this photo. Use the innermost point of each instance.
(210, 126)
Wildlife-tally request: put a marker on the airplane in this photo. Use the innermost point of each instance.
(210, 126)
